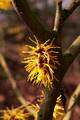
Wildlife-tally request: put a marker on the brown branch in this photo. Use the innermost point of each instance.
(25, 103)
(73, 101)
(30, 19)
(47, 107)
(58, 15)
(66, 12)
(34, 24)
(71, 53)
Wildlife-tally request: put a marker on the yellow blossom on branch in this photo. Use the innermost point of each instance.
(58, 109)
(41, 62)
(19, 113)
(15, 114)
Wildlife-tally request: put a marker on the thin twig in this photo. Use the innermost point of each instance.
(71, 53)
(14, 87)
(47, 107)
(69, 10)
(58, 15)
(72, 102)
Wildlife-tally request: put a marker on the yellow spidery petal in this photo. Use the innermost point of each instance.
(15, 114)
(59, 109)
(41, 62)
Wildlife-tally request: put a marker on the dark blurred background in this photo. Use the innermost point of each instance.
(14, 34)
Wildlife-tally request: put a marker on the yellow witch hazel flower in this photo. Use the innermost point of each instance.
(5, 4)
(15, 114)
(41, 62)
(59, 109)
(58, 113)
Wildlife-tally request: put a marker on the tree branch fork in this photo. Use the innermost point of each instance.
(42, 34)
